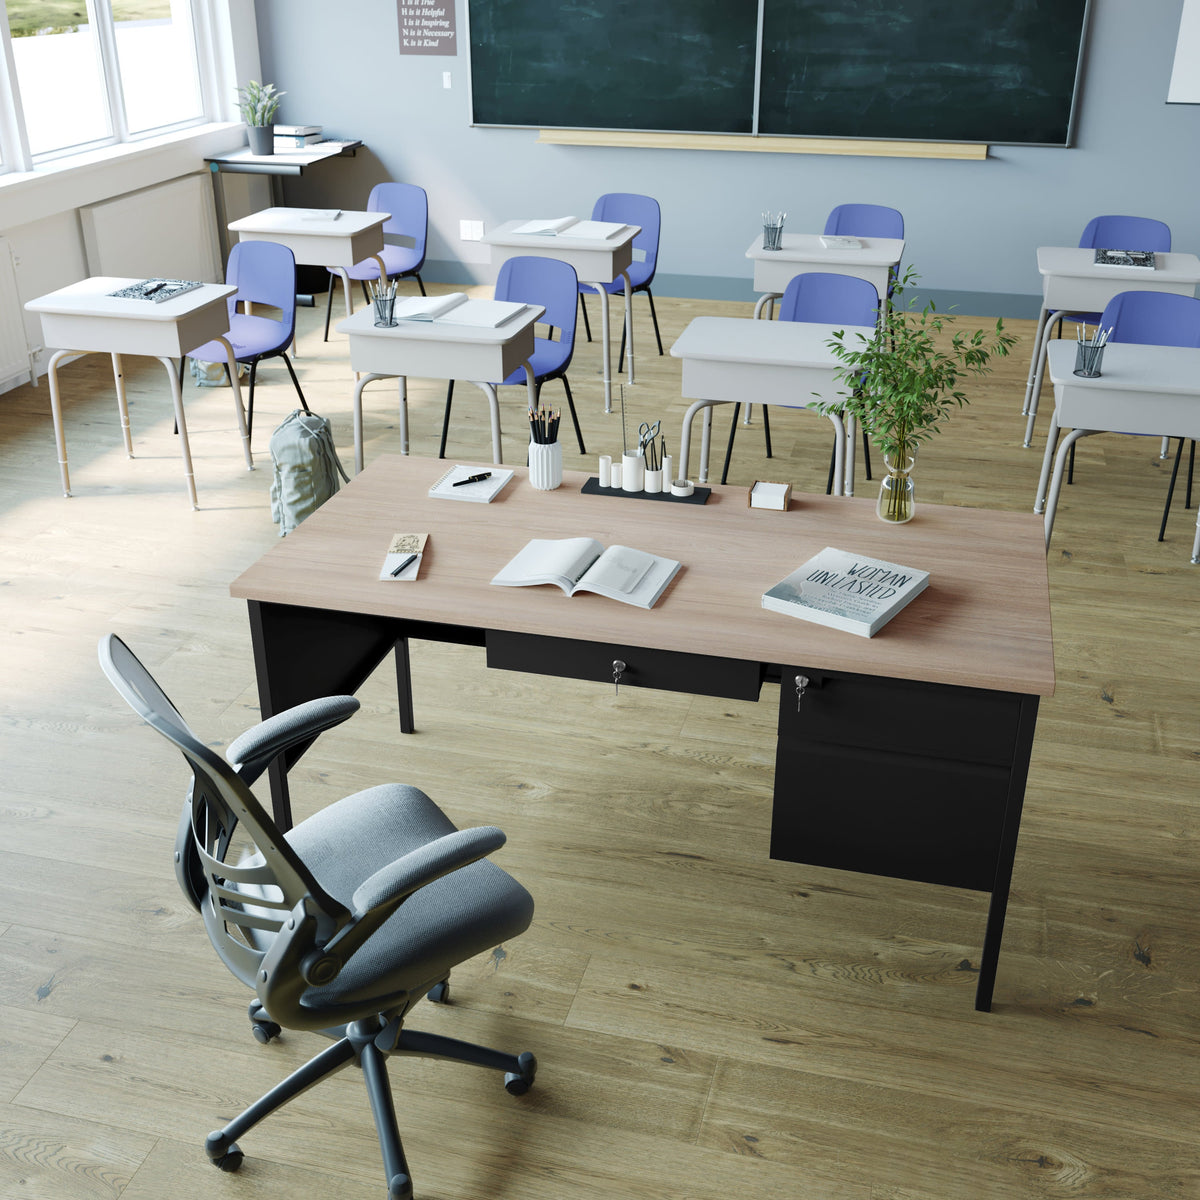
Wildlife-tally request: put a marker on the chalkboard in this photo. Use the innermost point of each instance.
(930, 70)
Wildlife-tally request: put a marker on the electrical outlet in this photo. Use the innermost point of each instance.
(446, 80)
(470, 231)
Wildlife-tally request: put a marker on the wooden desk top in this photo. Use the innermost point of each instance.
(983, 622)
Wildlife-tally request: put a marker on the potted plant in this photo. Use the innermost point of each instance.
(258, 103)
(904, 382)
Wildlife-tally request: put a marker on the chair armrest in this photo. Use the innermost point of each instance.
(252, 752)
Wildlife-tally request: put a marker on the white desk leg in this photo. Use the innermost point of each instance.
(530, 388)
(706, 441)
(1043, 312)
(628, 324)
(843, 462)
(383, 275)
(238, 407)
(122, 403)
(1060, 466)
(766, 300)
(494, 407)
(1039, 501)
(357, 418)
(605, 344)
(60, 437)
(1039, 371)
(402, 400)
(1196, 542)
(172, 369)
(685, 437)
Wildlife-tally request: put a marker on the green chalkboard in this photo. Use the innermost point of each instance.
(929, 70)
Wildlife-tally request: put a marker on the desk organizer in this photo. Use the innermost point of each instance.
(593, 488)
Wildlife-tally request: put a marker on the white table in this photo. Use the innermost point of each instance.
(84, 318)
(597, 261)
(801, 253)
(438, 350)
(337, 243)
(1073, 283)
(1153, 390)
(788, 363)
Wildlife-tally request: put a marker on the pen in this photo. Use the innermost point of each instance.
(472, 479)
(154, 288)
(401, 568)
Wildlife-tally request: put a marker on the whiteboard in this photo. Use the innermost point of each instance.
(1185, 74)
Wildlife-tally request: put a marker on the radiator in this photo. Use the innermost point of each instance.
(15, 365)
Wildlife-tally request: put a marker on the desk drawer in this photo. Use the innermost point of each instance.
(962, 724)
(667, 670)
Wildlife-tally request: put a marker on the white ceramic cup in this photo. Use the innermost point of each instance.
(605, 470)
(545, 465)
(633, 469)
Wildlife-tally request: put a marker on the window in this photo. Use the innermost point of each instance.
(86, 73)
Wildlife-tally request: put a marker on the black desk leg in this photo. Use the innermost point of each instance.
(404, 687)
(1007, 851)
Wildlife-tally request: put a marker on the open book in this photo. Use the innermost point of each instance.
(572, 227)
(583, 565)
(458, 309)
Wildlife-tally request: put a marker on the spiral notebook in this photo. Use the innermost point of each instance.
(454, 484)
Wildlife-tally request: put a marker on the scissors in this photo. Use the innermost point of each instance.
(647, 433)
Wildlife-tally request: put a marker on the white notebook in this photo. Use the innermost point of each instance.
(458, 309)
(483, 486)
(548, 226)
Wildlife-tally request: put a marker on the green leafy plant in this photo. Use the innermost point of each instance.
(258, 103)
(906, 379)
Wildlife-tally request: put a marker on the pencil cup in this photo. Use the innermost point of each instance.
(632, 472)
(654, 480)
(773, 235)
(605, 476)
(1087, 359)
(545, 465)
(383, 311)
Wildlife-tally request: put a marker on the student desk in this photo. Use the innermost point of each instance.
(84, 318)
(729, 360)
(801, 253)
(1073, 283)
(597, 261)
(1152, 390)
(907, 753)
(439, 350)
(334, 242)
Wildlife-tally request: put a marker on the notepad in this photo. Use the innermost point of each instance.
(320, 214)
(458, 309)
(404, 546)
(548, 226)
(831, 242)
(482, 492)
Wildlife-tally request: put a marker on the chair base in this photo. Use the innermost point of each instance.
(368, 1044)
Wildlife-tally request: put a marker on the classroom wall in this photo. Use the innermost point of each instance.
(972, 227)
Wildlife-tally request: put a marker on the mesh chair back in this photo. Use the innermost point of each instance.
(239, 901)
(548, 282)
(1126, 233)
(409, 208)
(830, 299)
(1153, 319)
(265, 273)
(629, 208)
(865, 220)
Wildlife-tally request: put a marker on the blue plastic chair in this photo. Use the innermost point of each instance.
(827, 299)
(628, 208)
(1153, 319)
(554, 286)
(265, 273)
(1120, 233)
(865, 220)
(408, 229)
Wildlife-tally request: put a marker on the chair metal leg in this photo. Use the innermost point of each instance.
(1187, 501)
(250, 398)
(446, 419)
(1162, 529)
(419, 283)
(587, 328)
(654, 318)
(767, 427)
(1071, 462)
(366, 294)
(737, 408)
(866, 453)
(574, 417)
(328, 308)
(287, 362)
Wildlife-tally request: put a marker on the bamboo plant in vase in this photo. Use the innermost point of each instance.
(903, 383)
(258, 103)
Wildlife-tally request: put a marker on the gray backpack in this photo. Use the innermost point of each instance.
(306, 469)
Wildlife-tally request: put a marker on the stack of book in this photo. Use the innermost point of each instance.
(296, 137)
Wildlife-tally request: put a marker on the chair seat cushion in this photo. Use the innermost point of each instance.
(465, 913)
(250, 337)
(399, 260)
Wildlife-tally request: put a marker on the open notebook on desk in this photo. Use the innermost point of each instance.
(458, 309)
(572, 227)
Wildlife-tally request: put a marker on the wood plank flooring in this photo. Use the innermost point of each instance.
(708, 1023)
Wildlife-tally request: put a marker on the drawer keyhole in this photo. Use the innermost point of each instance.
(618, 671)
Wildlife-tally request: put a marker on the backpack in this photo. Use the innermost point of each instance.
(306, 469)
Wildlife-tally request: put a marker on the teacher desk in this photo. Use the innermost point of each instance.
(921, 735)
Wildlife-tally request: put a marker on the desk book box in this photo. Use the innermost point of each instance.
(846, 591)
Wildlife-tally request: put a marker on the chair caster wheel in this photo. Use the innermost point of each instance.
(517, 1083)
(400, 1187)
(439, 993)
(223, 1153)
(264, 1031)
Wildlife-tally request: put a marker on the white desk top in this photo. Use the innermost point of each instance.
(766, 343)
(90, 297)
(806, 247)
(295, 156)
(296, 221)
(1131, 367)
(503, 235)
(1080, 260)
(362, 324)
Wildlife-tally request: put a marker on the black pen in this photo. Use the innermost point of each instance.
(157, 287)
(472, 479)
(400, 569)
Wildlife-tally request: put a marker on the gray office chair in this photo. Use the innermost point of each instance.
(342, 924)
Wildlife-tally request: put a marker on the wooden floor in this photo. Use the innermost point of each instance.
(709, 1023)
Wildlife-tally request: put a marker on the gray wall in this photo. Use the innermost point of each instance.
(972, 227)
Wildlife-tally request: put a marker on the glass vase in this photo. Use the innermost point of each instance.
(896, 493)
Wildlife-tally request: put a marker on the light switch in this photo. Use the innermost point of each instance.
(470, 231)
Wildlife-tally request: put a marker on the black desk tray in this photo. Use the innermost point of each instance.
(699, 495)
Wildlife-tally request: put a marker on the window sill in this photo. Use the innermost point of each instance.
(68, 183)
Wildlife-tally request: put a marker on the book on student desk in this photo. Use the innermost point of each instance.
(458, 309)
(571, 227)
(845, 591)
(157, 290)
(1141, 260)
(836, 242)
(584, 565)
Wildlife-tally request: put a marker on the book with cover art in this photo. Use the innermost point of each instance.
(846, 591)
(1141, 260)
(584, 565)
(157, 290)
